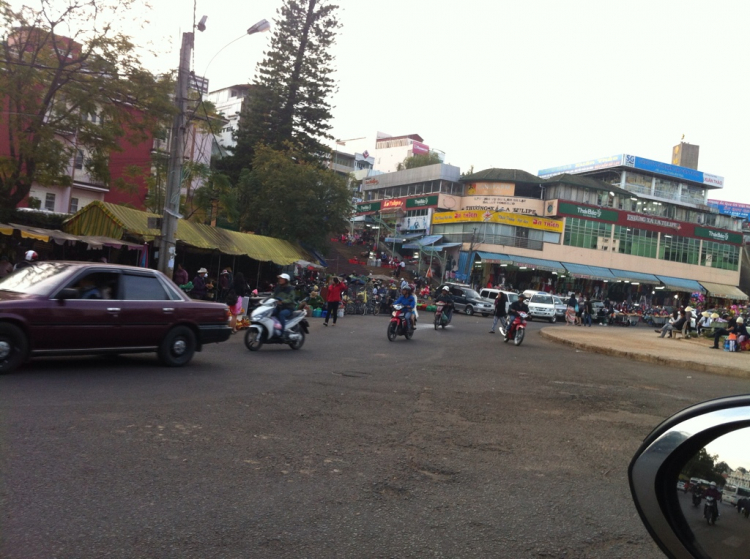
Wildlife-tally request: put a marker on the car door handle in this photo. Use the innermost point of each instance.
(168, 309)
(113, 309)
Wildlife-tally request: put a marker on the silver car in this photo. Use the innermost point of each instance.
(541, 305)
(468, 301)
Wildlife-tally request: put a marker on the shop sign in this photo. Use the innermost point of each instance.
(583, 166)
(735, 209)
(587, 212)
(393, 204)
(491, 189)
(368, 207)
(508, 204)
(649, 220)
(370, 182)
(418, 148)
(470, 216)
(720, 236)
(422, 202)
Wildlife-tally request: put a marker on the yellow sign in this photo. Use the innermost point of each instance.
(528, 221)
(491, 189)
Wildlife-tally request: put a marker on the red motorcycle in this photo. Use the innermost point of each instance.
(516, 330)
(398, 325)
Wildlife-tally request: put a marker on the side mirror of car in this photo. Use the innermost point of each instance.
(702, 444)
(67, 293)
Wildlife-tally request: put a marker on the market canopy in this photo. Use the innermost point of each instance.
(111, 220)
(589, 272)
(493, 257)
(60, 237)
(403, 238)
(635, 277)
(681, 284)
(724, 291)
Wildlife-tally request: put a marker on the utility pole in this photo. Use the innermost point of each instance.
(174, 178)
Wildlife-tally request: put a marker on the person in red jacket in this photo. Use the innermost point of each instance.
(333, 297)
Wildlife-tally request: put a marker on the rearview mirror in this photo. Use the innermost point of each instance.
(67, 293)
(689, 479)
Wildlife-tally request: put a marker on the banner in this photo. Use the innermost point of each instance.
(490, 189)
(469, 216)
(367, 207)
(507, 204)
(587, 212)
(422, 202)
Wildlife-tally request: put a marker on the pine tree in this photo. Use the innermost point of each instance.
(289, 104)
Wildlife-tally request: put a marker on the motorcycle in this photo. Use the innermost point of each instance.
(696, 499)
(442, 318)
(710, 510)
(517, 329)
(398, 325)
(266, 329)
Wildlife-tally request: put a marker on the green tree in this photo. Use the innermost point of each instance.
(290, 103)
(70, 80)
(703, 466)
(419, 160)
(286, 197)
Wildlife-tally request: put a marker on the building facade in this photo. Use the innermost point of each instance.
(229, 102)
(388, 151)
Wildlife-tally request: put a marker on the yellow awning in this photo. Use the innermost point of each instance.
(6, 229)
(110, 220)
(724, 291)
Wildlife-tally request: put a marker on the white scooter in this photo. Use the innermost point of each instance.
(266, 329)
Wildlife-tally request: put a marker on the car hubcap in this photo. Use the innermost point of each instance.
(4, 349)
(179, 347)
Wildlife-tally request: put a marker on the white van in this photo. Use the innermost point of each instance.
(493, 293)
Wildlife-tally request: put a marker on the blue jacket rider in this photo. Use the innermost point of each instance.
(409, 303)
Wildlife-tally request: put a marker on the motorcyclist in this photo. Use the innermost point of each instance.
(446, 298)
(516, 307)
(712, 491)
(407, 300)
(284, 294)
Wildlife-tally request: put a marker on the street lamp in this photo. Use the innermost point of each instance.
(171, 213)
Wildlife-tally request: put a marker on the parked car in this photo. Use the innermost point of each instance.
(541, 305)
(560, 307)
(468, 301)
(67, 308)
(487, 293)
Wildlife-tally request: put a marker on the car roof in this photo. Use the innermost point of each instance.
(101, 265)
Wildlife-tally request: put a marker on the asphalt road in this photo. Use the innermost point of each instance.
(450, 445)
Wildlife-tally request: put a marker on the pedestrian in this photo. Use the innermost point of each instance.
(397, 271)
(731, 325)
(671, 326)
(200, 286)
(234, 298)
(180, 276)
(402, 266)
(335, 290)
(570, 312)
(587, 311)
(5, 266)
(500, 310)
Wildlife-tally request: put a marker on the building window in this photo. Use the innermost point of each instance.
(585, 233)
(719, 255)
(638, 242)
(679, 249)
(73, 205)
(667, 189)
(416, 213)
(79, 159)
(49, 202)
(635, 182)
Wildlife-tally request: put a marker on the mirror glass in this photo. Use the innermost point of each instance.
(718, 514)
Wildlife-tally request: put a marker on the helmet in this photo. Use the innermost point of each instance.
(713, 484)
(446, 288)
(31, 256)
(740, 320)
(284, 276)
(406, 288)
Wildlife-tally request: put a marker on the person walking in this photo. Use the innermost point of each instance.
(333, 298)
(234, 300)
(500, 310)
(180, 276)
(570, 312)
(588, 310)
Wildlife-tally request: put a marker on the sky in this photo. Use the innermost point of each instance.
(495, 83)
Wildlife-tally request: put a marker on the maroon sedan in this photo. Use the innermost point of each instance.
(73, 308)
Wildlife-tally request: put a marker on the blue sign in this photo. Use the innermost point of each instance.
(583, 166)
(735, 209)
(666, 169)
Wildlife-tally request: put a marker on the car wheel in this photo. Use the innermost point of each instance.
(469, 310)
(13, 348)
(178, 347)
(553, 320)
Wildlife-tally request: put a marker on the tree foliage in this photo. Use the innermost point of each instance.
(57, 70)
(419, 160)
(290, 101)
(286, 197)
(703, 465)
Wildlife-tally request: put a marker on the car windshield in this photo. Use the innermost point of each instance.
(38, 279)
(471, 294)
(542, 299)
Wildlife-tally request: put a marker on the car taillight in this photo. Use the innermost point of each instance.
(229, 315)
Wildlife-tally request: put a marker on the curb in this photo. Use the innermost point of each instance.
(647, 358)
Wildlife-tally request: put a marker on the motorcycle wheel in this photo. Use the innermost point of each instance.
(437, 322)
(253, 339)
(391, 331)
(297, 344)
(518, 338)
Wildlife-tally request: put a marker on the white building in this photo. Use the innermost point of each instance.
(387, 151)
(229, 102)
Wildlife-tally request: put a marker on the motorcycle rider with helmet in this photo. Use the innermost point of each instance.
(712, 491)
(284, 294)
(446, 297)
(407, 300)
(516, 307)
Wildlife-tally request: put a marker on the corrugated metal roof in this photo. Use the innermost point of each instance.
(502, 175)
(111, 220)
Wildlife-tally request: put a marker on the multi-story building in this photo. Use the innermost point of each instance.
(229, 102)
(388, 151)
(623, 226)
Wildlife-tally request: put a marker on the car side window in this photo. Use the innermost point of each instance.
(142, 288)
(96, 285)
(456, 292)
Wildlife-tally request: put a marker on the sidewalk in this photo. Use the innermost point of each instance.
(643, 344)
